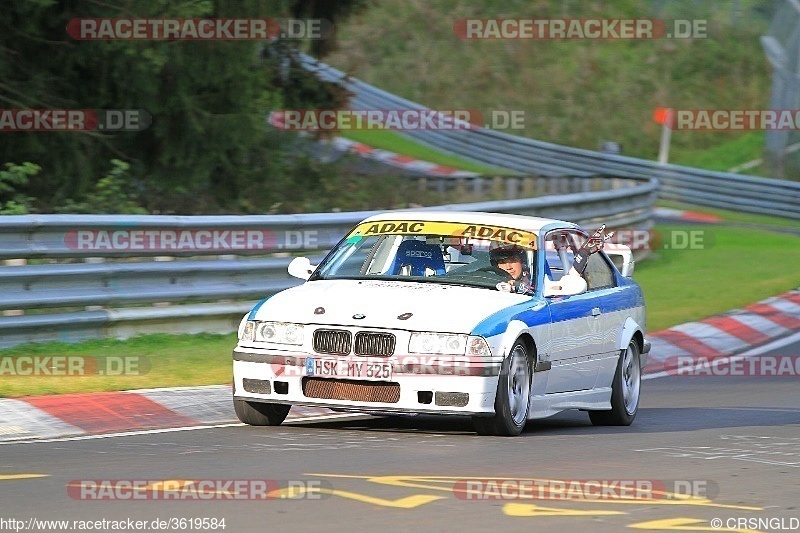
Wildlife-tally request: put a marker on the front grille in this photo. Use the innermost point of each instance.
(351, 390)
(333, 341)
(369, 343)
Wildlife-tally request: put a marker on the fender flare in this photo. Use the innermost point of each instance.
(629, 329)
(513, 331)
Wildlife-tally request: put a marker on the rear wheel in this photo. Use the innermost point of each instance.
(260, 414)
(512, 398)
(625, 390)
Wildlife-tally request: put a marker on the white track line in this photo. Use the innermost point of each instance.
(289, 421)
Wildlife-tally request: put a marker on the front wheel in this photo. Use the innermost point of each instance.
(512, 398)
(260, 414)
(625, 390)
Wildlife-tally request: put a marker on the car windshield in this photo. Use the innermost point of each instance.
(432, 252)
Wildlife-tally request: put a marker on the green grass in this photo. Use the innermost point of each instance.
(738, 268)
(734, 217)
(394, 142)
(572, 92)
(679, 286)
(732, 150)
(173, 360)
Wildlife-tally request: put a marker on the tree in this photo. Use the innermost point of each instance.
(207, 147)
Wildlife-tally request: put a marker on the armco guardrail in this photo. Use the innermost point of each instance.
(615, 201)
(73, 277)
(701, 187)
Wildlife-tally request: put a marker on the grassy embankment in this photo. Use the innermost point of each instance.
(573, 92)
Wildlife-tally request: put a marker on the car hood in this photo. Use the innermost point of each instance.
(433, 307)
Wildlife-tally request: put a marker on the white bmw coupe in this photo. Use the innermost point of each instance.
(450, 313)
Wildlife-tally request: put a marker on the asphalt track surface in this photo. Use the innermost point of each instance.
(731, 443)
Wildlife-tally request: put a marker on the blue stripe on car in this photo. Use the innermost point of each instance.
(533, 313)
(256, 308)
(539, 311)
(622, 297)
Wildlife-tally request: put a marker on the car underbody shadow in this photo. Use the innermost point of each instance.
(648, 420)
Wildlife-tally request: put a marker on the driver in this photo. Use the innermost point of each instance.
(512, 259)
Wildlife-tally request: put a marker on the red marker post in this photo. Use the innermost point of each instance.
(663, 116)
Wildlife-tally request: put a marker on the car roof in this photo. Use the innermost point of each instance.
(531, 224)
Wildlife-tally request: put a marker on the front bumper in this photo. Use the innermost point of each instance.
(417, 385)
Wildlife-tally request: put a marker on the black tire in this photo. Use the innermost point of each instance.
(625, 390)
(512, 398)
(260, 414)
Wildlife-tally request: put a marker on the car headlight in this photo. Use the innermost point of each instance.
(448, 344)
(243, 325)
(280, 332)
(247, 331)
(275, 332)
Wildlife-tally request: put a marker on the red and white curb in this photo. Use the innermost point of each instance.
(342, 144)
(41, 417)
(400, 161)
(73, 415)
(724, 335)
(685, 216)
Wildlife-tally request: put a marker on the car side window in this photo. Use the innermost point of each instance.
(559, 254)
(598, 273)
(560, 247)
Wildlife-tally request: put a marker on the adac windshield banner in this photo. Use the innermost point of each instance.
(455, 230)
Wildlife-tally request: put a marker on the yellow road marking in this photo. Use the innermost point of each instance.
(529, 509)
(5, 477)
(431, 482)
(181, 486)
(407, 502)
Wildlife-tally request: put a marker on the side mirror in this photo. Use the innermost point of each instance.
(566, 286)
(301, 267)
(620, 250)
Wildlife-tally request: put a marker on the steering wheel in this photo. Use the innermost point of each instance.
(495, 270)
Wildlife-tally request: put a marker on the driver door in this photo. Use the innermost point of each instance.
(575, 331)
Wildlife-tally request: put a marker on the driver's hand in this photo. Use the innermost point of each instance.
(596, 241)
(505, 286)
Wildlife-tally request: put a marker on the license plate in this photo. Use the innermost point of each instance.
(348, 369)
